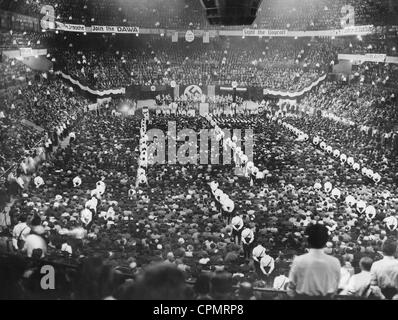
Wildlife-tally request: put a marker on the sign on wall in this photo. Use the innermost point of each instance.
(189, 36)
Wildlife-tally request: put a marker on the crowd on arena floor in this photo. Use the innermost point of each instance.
(181, 224)
(97, 204)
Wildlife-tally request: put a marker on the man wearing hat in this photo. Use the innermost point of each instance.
(382, 271)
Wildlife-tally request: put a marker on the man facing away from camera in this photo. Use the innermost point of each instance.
(385, 272)
(314, 275)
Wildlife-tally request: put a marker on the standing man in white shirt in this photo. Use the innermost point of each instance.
(383, 272)
(314, 275)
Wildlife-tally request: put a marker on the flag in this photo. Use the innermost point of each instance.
(206, 37)
(174, 37)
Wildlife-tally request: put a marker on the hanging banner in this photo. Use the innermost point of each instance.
(115, 29)
(174, 36)
(70, 27)
(96, 29)
(349, 31)
(370, 57)
(375, 57)
(206, 37)
(232, 89)
(193, 90)
(264, 33)
(26, 52)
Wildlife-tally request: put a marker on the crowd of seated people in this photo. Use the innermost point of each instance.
(322, 15)
(370, 44)
(30, 113)
(174, 218)
(14, 73)
(370, 100)
(273, 14)
(14, 40)
(278, 64)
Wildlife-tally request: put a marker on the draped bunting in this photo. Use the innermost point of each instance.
(294, 94)
(251, 92)
(87, 89)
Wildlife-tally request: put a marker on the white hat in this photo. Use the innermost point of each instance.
(247, 233)
(77, 181)
(236, 221)
(370, 212)
(258, 251)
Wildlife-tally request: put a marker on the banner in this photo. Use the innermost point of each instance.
(70, 27)
(264, 33)
(375, 57)
(96, 29)
(114, 29)
(203, 109)
(370, 57)
(206, 37)
(26, 52)
(349, 31)
(232, 89)
(87, 89)
(206, 34)
(358, 30)
(174, 36)
(192, 89)
(294, 94)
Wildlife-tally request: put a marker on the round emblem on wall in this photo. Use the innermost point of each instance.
(189, 36)
(193, 89)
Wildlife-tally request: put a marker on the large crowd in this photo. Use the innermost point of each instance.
(31, 112)
(81, 191)
(277, 64)
(272, 14)
(175, 219)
